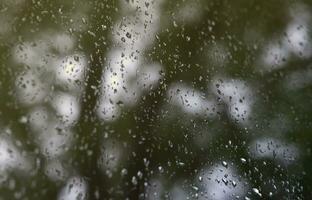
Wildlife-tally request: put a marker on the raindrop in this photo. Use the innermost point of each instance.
(256, 191)
(160, 168)
(128, 35)
(234, 183)
(195, 188)
(224, 164)
(134, 180)
(124, 172)
(175, 24)
(23, 120)
(140, 174)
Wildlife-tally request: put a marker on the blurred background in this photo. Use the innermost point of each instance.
(155, 99)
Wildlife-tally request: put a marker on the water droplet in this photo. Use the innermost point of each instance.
(140, 174)
(124, 172)
(225, 181)
(128, 35)
(161, 170)
(134, 180)
(224, 164)
(175, 24)
(84, 20)
(256, 191)
(23, 120)
(195, 188)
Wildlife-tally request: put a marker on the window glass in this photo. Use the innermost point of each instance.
(155, 99)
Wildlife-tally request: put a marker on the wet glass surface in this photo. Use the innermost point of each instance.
(155, 99)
